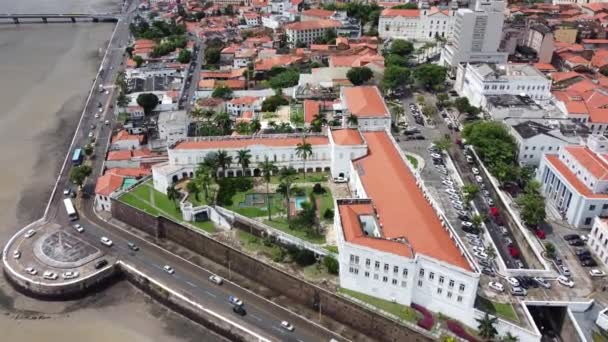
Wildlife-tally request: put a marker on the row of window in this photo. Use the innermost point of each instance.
(542, 148)
(508, 87)
(431, 277)
(354, 259)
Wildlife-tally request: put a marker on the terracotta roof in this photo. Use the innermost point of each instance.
(311, 108)
(570, 177)
(129, 172)
(107, 184)
(400, 205)
(317, 12)
(347, 137)
(265, 64)
(544, 67)
(389, 12)
(600, 58)
(595, 41)
(210, 102)
(250, 141)
(573, 58)
(596, 6)
(124, 135)
(597, 166)
(434, 10)
(128, 154)
(232, 73)
(248, 100)
(562, 76)
(356, 60)
(313, 25)
(576, 107)
(212, 84)
(365, 101)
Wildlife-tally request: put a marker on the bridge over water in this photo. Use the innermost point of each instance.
(59, 17)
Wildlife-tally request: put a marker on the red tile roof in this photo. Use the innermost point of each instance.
(107, 184)
(389, 12)
(571, 178)
(129, 172)
(265, 64)
(347, 136)
(313, 25)
(562, 76)
(317, 12)
(248, 100)
(544, 67)
(600, 58)
(597, 166)
(233, 73)
(249, 141)
(365, 101)
(124, 135)
(400, 205)
(311, 108)
(595, 41)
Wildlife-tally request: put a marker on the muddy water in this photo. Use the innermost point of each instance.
(45, 74)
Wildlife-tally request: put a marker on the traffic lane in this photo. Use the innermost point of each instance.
(197, 285)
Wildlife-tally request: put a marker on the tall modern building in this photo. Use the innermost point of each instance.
(476, 36)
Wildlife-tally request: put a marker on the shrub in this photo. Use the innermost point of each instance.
(328, 214)
(459, 331)
(297, 191)
(318, 189)
(228, 187)
(301, 256)
(332, 264)
(426, 322)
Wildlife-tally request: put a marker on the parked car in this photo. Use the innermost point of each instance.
(514, 282)
(488, 271)
(49, 275)
(486, 193)
(582, 252)
(496, 286)
(101, 263)
(480, 255)
(485, 263)
(287, 326)
(540, 234)
(216, 279)
(572, 237)
(132, 246)
(471, 230)
(469, 159)
(477, 243)
(464, 217)
(508, 241)
(479, 249)
(563, 280)
(104, 240)
(31, 270)
(235, 301)
(542, 282)
(503, 230)
(458, 207)
(490, 201)
(70, 275)
(30, 233)
(16, 255)
(436, 156)
(576, 243)
(589, 262)
(168, 269)
(475, 171)
(78, 227)
(519, 264)
(340, 179)
(564, 270)
(467, 224)
(518, 291)
(478, 179)
(597, 273)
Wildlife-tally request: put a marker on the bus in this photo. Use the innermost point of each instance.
(77, 157)
(69, 208)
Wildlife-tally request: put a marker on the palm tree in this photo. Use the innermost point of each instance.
(223, 122)
(470, 191)
(255, 125)
(477, 221)
(223, 160)
(196, 112)
(486, 326)
(352, 120)
(287, 177)
(491, 252)
(123, 100)
(203, 178)
(304, 150)
(211, 162)
(243, 157)
(509, 338)
(320, 118)
(208, 114)
(193, 188)
(268, 168)
(173, 195)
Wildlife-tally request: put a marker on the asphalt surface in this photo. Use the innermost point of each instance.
(262, 315)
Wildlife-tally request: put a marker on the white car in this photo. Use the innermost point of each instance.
(477, 243)
(451, 191)
(458, 207)
(490, 201)
(66, 192)
(78, 227)
(168, 269)
(216, 279)
(564, 270)
(106, 241)
(447, 183)
(472, 236)
(90, 134)
(287, 326)
(107, 122)
(478, 179)
(467, 224)
(479, 249)
(96, 115)
(30, 233)
(496, 286)
(31, 271)
(49, 275)
(597, 273)
(514, 282)
(486, 193)
(480, 255)
(436, 156)
(70, 275)
(340, 180)
(16, 255)
(565, 281)
(503, 230)
(542, 282)
(469, 159)
(475, 171)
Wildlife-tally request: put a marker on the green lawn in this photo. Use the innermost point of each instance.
(502, 310)
(404, 312)
(598, 337)
(281, 224)
(333, 249)
(316, 272)
(255, 244)
(277, 205)
(311, 177)
(412, 160)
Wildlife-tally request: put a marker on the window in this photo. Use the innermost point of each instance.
(366, 274)
(449, 294)
(605, 206)
(422, 272)
(375, 277)
(377, 265)
(592, 207)
(367, 262)
(588, 221)
(439, 290)
(404, 272)
(550, 148)
(461, 288)
(394, 281)
(395, 269)
(420, 283)
(384, 279)
(459, 299)
(385, 267)
(441, 279)
(451, 284)
(431, 275)
(403, 283)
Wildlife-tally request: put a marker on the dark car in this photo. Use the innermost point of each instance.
(133, 246)
(584, 257)
(101, 263)
(572, 237)
(485, 263)
(239, 310)
(558, 260)
(576, 243)
(488, 271)
(471, 230)
(589, 262)
(419, 137)
(523, 282)
(464, 217)
(582, 252)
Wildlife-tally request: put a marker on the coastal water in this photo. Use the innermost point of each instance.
(46, 71)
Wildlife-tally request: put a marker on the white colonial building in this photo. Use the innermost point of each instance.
(476, 81)
(598, 240)
(423, 24)
(306, 32)
(173, 126)
(236, 107)
(575, 181)
(367, 104)
(534, 140)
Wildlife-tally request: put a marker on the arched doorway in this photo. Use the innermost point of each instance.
(175, 179)
(239, 173)
(341, 174)
(256, 172)
(318, 169)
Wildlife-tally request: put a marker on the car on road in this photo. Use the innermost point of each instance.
(590, 262)
(569, 237)
(488, 271)
(91, 134)
(107, 122)
(471, 230)
(475, 171)
(168, 269)
(576, 243)
(478, 179)
(540, 234)
(104, 240)
(508, 242)
(457, 206)
(67, 192)
(31, 270)
(49, 275)
(96, 115)
(486, 193)
(78, 227)
(340, 179)
(514, 282)
(132, 246)
(580, 252)
(70, 275)
(563, 270)
(480, 255)
(239, 310)
(542, 282)
(563, 280)
(519, 264)
(469, 159)
(503, 230)
(436, 156)
(216, 279)
(235, 301)
(30, 233)
(16, 255)
(597, 273)
(419, 137)
(467, 224)
(101, 263)
(479, 249)
(287, 326)
(464, 217)
(518, 291)
(496, 286)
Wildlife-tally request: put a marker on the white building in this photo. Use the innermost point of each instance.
(306, 32)
(534, 140)
(417, 24)
(367, 104)
(476, 35)
(173, 126)
(237, 106)
(476, 81)
(574, 181)
(598, 244)
(392, 244)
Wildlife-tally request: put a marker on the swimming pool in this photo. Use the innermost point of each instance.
(299, 201)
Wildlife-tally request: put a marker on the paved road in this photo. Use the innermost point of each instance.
(262, 315)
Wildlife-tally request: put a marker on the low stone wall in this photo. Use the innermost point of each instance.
(188, 307)
(340, 309)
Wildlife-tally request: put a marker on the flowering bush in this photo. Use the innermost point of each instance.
(459, 331)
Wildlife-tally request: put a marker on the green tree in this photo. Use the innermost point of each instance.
(352, 120)
(285, 79)
(401, 47)
(268, 168)
(193, 188)
(122, 100)
(222, 92)
(491, 252)
(173, 195)
(462, 104)
(430, 75)
(409, 5)
(212, 55)
(203, 178)
(392, 60)
(550, 250)
(304, 150)
(184, 56)
(359, 75)
(210, 162)
(395, 78)
(429, 110)
(243, 158)
(287, 177)
(255, 125)
(421, 100)
(271, 103)
(477, 221)
(443, 144)
(223, 160)
(442, 99)
(495, 146)
(486, 326)
(88, 149)
(148, 102)
(532, 205)
(223, 122)
(138, 61)
(333, 267)
(196, 112)
(470, 191)
(121, 81)
(79, 173)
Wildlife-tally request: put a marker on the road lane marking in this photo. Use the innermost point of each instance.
(211, 294)
(191, 284)
(256, 317)
(277, 329)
